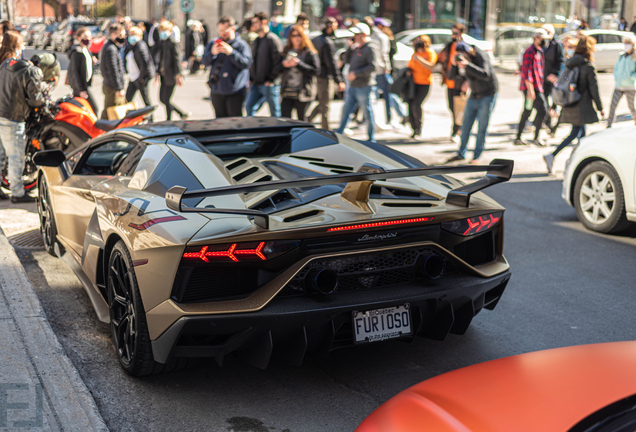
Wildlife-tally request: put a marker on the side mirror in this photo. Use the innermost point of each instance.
(49, 158)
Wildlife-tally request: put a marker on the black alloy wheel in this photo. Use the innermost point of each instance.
(128, 319)
(123, 314)
(47, 220)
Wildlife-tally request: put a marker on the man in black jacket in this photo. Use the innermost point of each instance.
(20, 90)
(266, 68)
(329, 71)
(229, 58)
(474, 65)
(554, 56)
(112, 67)
(140, 66)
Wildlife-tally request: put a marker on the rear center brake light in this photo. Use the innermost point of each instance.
(239, 252)
(380, 224)
(473, 225)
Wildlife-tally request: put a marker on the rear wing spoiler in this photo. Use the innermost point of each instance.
(499, 171)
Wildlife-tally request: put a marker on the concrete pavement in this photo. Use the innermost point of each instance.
(40, 389)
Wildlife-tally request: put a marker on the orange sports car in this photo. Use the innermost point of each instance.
(587, 388)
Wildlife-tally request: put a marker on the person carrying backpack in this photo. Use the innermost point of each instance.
(582, 112)
(625, 78)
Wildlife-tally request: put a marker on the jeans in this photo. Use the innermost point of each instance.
(142, 87)
(13, 138)
(324, 97)
(577, 132)
(228, 105)
(541, 105)
(358, 96)
(288, 105)
(480, 110)
(383, 86)
(258, 95)
(111, 98)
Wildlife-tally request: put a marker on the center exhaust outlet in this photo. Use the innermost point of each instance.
(323, 280)
(434, 266)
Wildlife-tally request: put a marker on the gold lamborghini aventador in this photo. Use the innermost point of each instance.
(261, 235)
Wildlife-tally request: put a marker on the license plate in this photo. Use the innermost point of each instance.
(381, 324)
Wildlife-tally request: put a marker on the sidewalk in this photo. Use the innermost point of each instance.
(40, 389)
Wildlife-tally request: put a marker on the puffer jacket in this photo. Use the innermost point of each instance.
(112, 66)
(20, 89)
(625, 72)
(143, 59)
(582, 112)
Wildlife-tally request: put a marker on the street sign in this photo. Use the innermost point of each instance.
(187, 6)
(88, 2)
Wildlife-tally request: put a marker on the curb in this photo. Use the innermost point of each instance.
(70, 401)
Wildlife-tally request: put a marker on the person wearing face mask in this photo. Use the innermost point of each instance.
(553, 54)
(453, 86)
(80, 67)
(139, 64)
(532, 73)
(582, 112)
(169, 69)
(112, 68)
(625, 79)
(20, 91)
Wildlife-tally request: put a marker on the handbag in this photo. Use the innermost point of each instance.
(459, 104)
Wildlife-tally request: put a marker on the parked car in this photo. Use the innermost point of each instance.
(585, 388)
(30, 31)
(609, 44)
(439, 39)
(510, 40)
(63, 36)
(599, 180)
(42, 38)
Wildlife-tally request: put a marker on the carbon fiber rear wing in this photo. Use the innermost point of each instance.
(499, 171)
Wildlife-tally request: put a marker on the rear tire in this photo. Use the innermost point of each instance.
(128, 319)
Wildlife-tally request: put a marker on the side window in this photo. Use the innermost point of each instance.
(105, 159)
(73, 159)
(610, 38)
(442, 39)
(129, 164)
(600, 38)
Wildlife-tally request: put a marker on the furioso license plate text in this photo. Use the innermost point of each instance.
(381, 324)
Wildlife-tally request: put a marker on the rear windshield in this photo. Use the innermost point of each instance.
(77, 25)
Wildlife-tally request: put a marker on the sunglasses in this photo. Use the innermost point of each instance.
(294, 35)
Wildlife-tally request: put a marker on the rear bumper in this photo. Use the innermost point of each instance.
(291, 327)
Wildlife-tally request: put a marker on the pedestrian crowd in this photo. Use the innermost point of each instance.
(250, 66)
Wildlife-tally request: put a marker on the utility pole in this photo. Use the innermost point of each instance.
(43, 12)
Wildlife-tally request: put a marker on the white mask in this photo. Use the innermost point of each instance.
(628, 47)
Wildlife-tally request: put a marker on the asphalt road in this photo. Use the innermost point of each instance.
(569, 286)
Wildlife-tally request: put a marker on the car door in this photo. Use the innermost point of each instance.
(74, 201)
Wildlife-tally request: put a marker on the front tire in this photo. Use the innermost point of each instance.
(599, 199)
(128, 319)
